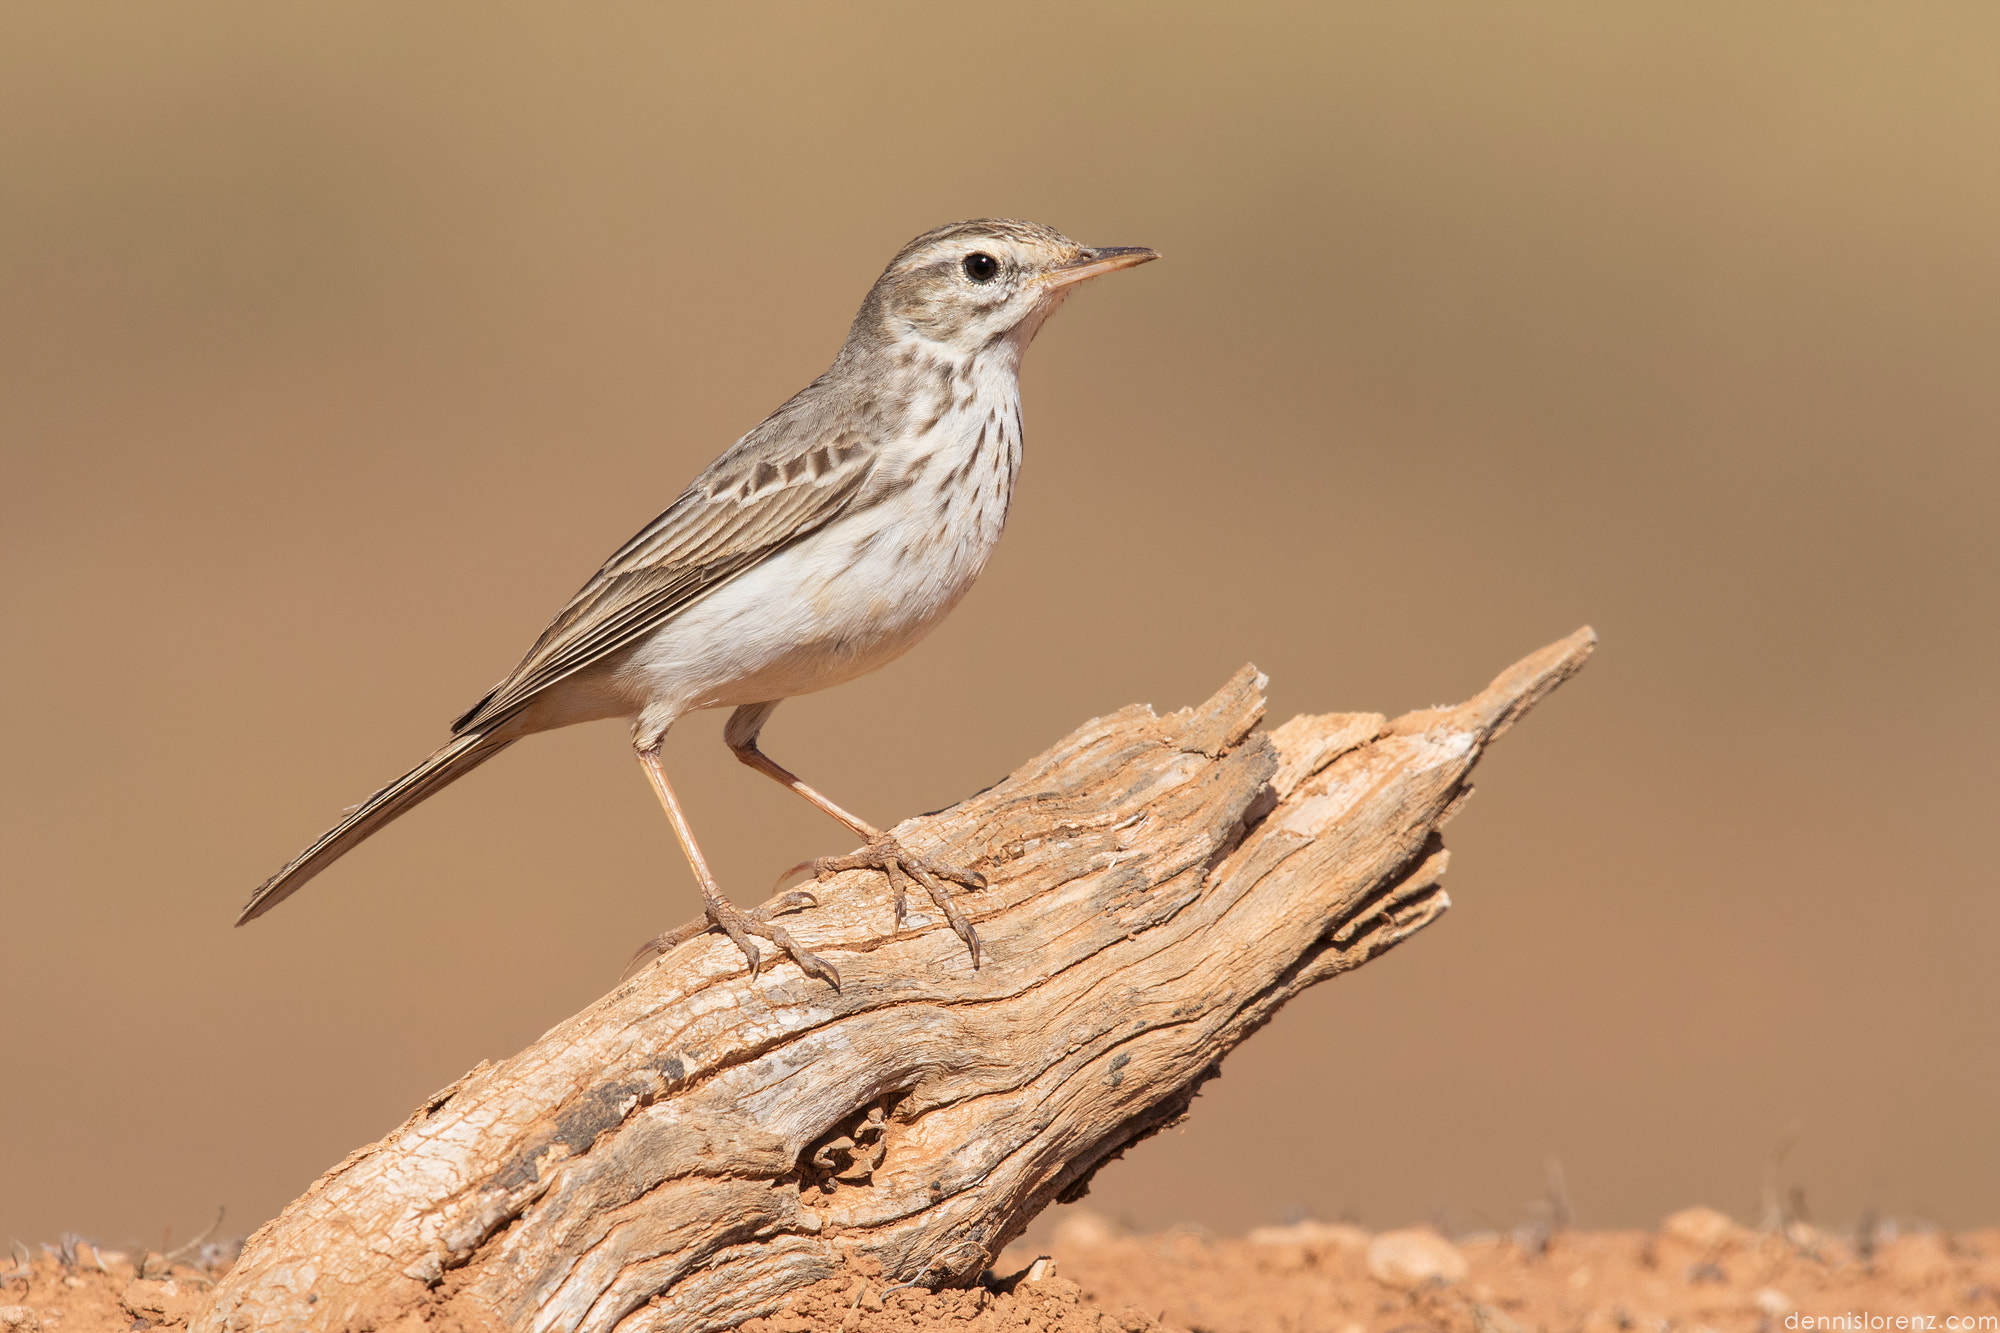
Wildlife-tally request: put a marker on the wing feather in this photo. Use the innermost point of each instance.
(749, 504)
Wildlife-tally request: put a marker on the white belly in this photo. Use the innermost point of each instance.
(846, 600)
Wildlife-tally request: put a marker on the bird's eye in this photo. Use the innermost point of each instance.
(980, 266)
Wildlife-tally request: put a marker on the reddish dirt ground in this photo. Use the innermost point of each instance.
(1697, 1271)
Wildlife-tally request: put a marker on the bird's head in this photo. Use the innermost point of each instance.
(968, 286)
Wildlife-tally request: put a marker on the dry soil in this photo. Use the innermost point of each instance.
(1698, 1270)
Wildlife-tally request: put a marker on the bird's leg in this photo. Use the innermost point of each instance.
(882, 853)
(722, 914)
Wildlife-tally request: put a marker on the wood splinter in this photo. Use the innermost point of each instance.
(698, 1143)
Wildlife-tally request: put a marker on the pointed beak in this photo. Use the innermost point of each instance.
(1093, 262)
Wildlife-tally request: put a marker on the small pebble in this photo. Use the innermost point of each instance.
(1408, 1259)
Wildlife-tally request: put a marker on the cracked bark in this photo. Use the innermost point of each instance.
(696, 1144)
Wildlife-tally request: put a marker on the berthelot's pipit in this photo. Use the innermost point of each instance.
(820, 546)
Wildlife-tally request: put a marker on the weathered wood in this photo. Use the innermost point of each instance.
(697, 1143)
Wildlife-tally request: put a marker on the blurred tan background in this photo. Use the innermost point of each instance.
(338, 345)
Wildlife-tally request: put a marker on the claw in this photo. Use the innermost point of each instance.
(739, 927)
(734, 924)
(808, 864)
(887, 856)
(809, 962)
(970, 879)
(798, 900)
(899, 888)
(959, 925)
(663, 943)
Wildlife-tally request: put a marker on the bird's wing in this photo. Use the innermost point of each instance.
(752, 502)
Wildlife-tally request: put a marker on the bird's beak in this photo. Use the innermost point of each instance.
(1093, 262)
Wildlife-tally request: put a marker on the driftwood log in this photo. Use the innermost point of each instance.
(698, 1143)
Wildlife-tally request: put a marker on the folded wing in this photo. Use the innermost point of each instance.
(752, 502)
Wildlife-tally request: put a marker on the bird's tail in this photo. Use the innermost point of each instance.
(454, 761)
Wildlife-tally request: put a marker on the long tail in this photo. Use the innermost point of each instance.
(454, 761)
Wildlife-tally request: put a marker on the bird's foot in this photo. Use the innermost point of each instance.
(900, 865)
(739, 926)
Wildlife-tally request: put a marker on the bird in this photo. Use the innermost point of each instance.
(823, 544)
